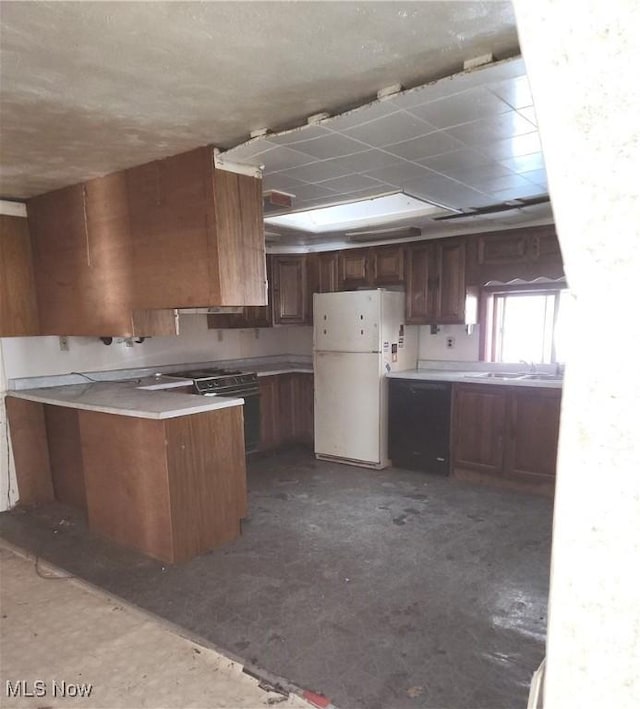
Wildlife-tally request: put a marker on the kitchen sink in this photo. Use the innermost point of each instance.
(543, 376)
(499, 375)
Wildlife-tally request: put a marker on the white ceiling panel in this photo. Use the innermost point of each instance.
(529, 112)
(316, 171)
(457, 109)
(480, 153)
(332, 145)
(352, 183)
(432, 144)
(500, 127)
(525, 163)
(399, 175)
(460, 160)
(390, 129)
(516, 91)
(512, 147)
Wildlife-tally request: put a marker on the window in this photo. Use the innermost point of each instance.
(525, 322)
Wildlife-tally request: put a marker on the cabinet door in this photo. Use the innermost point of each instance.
(532, 443)
(303, 408)
(450, 287)
(327, 265)
(387, 265)
(285, 417)
(268, 412)
(479, 417)
(507, 247)
(18, 309)
(353, 268)
(289, 291)
(419, 281)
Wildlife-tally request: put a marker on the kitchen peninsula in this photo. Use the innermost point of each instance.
(159, 471)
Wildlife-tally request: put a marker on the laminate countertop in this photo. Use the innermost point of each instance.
(148, 397)
(473, 377)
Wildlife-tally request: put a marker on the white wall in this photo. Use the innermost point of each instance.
(581, 61)
(465, 347)
(36, 356)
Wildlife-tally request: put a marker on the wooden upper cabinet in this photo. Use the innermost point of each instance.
(436, 288)
(527, 253)
(197, 234)
(450, 289)
(419, 280)
(387, 265)
(83, 263)
(289, 289)
(327, 272)
(353, 269)
(18, 307)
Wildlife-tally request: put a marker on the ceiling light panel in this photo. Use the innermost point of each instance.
(354, 215)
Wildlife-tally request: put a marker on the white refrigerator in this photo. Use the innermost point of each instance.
(358, 337)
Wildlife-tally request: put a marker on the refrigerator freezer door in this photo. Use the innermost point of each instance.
(347, 322)
(347, 406)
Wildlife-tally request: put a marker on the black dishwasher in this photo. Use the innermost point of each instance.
(419, 424)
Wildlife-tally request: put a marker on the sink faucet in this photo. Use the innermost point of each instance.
(530, 365)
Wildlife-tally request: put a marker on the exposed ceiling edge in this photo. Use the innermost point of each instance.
(516, 61)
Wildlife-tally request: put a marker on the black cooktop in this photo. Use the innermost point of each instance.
(203, 373)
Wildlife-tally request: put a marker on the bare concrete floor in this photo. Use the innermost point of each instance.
(379, 589)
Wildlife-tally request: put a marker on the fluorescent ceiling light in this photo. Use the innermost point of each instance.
(355, 215)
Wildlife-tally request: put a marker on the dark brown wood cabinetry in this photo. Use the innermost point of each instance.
(436, 286)
(387, 265)
(515, 253)
(290, 301)
(116, 255)
(18, 308)
(353, 269)
(286, 410)
(327, 272)
(506, 433)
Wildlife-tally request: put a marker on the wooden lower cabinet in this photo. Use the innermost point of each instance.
(506, 434)
(286, 410)
(170, 488)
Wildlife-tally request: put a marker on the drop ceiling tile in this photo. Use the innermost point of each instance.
(351, 183)
(525, 163)
(461, 108)
(280, 181)
(432, 144)
(446, 192)
(361, 115)
(369, 160)
(523, 191)
(332, 145)
(365, 194)
(308, 192)
(530, 114)
(501, 127)
(461, 159)
(281, 158)
(518, 146)
(390, 129)
(306, 132)
(537, 177)
(501, 183)
(476, 174)
(516, 92)
(318, 170)
(399, 175)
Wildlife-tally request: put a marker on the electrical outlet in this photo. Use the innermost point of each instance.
(451, 342)
(63, 342)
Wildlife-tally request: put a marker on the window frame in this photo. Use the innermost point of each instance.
(488, 312)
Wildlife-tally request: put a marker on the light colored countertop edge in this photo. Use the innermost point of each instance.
(472, 377)
(138, 403)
